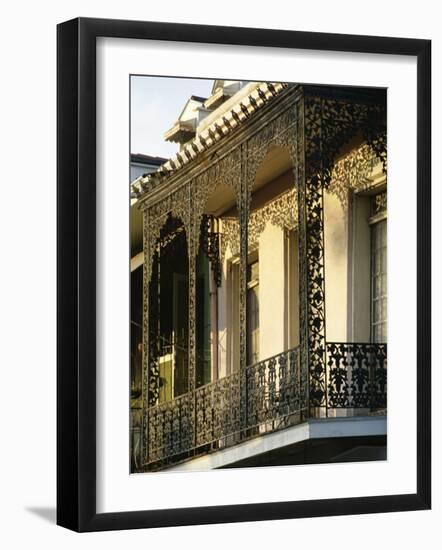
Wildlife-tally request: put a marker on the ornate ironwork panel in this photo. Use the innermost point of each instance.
(331, 124)
(353, 172)
(273, 390)
(273, 401)
(152, 342)
(375, 132)
(170, 428)
(299, 172)
(314, 252)
(217, 410)
(146, 328)
(193, 246)
(315, 290)
(225, 170)
(281, 212)
(357, 375)
(278, 132)
(243, 206)
(210, 244)
(328, 126)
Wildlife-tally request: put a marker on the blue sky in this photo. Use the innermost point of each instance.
(156, 103)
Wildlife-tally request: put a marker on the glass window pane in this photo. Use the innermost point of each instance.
(379, 281)
(253, 325)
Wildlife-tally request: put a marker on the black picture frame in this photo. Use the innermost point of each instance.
(76, 274)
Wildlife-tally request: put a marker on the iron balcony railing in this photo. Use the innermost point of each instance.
(357, 376)
(268, 396)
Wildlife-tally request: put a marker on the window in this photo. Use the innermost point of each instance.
(233, 316)
(253, 313)
(378, 224)
(252, 329)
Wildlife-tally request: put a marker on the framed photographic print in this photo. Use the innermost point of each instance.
(243, 248)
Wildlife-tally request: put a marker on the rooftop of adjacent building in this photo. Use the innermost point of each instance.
(140, 158)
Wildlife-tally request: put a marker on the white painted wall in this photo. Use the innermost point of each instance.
(274, 301)
(359, 307)
(271, 291)
(336, 268)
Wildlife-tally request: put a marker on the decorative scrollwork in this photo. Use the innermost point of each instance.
(217, 410)
(375, 133)
(304, 283)
(353, 172)
(177, 205)
(273, 391)
(272, 402)
(315, 289)
(357, 375)
(329, 125)
(244, 211)
(193, 247)
(279, 132)
(224, 171)
(229, 236)
(147, 268)
(281, 212)
(210, 244)
(169, 429)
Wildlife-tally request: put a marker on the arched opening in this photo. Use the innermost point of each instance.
(272, 250)
(169, 314)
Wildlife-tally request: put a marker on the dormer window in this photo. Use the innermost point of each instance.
(184, 129)
(221, 91)
(181, 132)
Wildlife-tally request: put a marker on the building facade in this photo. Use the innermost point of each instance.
(262, 300)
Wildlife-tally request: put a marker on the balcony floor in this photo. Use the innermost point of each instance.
(369, 429)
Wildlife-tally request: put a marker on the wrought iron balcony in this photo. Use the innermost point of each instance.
(268, 396)
(357, 376)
